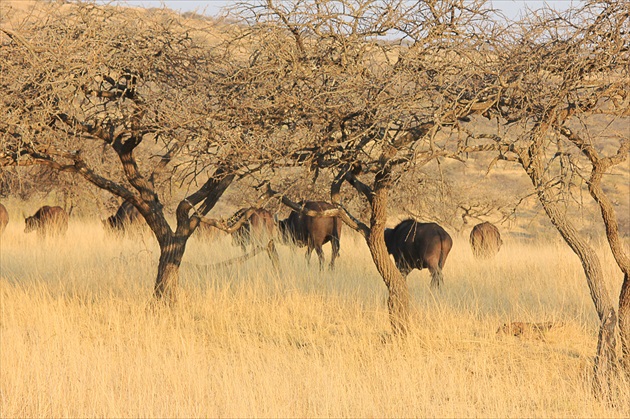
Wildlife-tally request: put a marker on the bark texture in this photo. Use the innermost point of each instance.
(606, 357)
(398, 298)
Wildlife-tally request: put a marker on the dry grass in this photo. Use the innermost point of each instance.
(79, 337)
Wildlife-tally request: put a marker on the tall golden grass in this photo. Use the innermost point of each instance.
(81, 338)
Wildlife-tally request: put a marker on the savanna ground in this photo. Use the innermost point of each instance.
(80, 336)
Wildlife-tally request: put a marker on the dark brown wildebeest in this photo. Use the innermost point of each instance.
(48, 221)
(126, 216)
(313, 232)
(485, 240)
(4, 218)
(417, 245)
(257, 230)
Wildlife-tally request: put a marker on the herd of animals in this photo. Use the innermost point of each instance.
(412, 244)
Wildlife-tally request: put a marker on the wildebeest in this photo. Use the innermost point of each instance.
(417, 245)
(126, 215)
(4, 218)
(485, 240)
(257, 230)
(47, 221)
(313, 232)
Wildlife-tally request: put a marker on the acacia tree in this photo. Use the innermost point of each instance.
(124, 109)
(368, 90)
(562, 104)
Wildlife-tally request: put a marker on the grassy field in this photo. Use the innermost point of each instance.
(80, 337)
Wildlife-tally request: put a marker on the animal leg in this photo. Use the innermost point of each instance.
(436, 277)
(309, 249)
(404, 269)
(273, 254)
(320, 256)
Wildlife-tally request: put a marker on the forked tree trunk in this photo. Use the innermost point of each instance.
(173, 244)
(601, 166)
(616, 246)
(606, 358)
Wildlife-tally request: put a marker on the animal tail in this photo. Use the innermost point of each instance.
(335, 235)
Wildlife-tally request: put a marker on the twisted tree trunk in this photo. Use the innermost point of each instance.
(396, 283)
(606, 358)
(616, 246)
(600, 166)
(172, 250)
